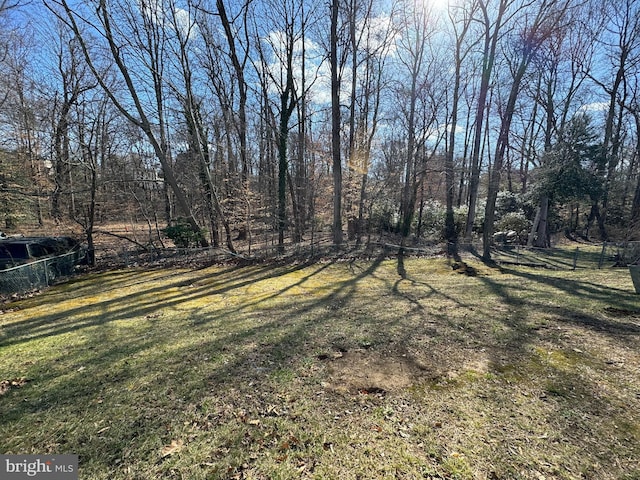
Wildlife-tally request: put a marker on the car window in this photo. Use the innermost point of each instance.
(14, 251)
(38, 250)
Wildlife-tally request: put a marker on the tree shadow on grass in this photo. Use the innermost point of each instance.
(188, 288)
(533, 352)
(573, 289)
(129, 368)
(121, 304)
(225, 368)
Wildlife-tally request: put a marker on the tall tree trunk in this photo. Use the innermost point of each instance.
(489, 55)
(287, 106)
(283, 131)
(635, 207)
(451, 235)
(539, 235)
(199, 141)
(538, 32)
(61, 160)
(335, 127)
(501, 148)
(238, 67)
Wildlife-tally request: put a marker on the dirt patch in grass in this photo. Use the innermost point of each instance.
(366, 371)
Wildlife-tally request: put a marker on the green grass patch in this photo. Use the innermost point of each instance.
(360, 369)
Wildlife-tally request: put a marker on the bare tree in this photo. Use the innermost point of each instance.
(368, 35)
(74, 81)
(373, 83)
(460, 17)
(420, 114)
(634, 109)
(622, 42)
(25, 128)
(561, 64)
(239, 60)
(336, 153)
(7, 34)
(184, 30)
(279, 49)
(135, 43)
(491, 33)
(94, 143)
(549, 16)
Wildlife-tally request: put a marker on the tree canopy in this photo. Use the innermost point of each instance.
(284, 120)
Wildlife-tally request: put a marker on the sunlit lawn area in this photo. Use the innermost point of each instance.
(388, 368)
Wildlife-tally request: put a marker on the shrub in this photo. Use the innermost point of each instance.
(182, 234)
(515, 221)
(385, 218)
(434, 218)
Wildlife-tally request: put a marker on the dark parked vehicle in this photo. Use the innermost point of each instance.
(34, 262)
(14, 252)
(19, 250)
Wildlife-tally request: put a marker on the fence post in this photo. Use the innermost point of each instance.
(601, 261)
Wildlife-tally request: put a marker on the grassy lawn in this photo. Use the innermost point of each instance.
(338, 370)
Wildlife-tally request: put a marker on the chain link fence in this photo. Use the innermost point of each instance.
(565, 258)
(41, 273)
(621, 253)
(37, 274)
(605, 255)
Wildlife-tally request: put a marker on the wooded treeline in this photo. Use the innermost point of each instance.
(287, 118)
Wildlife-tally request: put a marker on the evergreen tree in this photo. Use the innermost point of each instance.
(574, 169)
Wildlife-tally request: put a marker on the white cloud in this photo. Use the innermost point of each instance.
(184, 22)
(594, 107)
